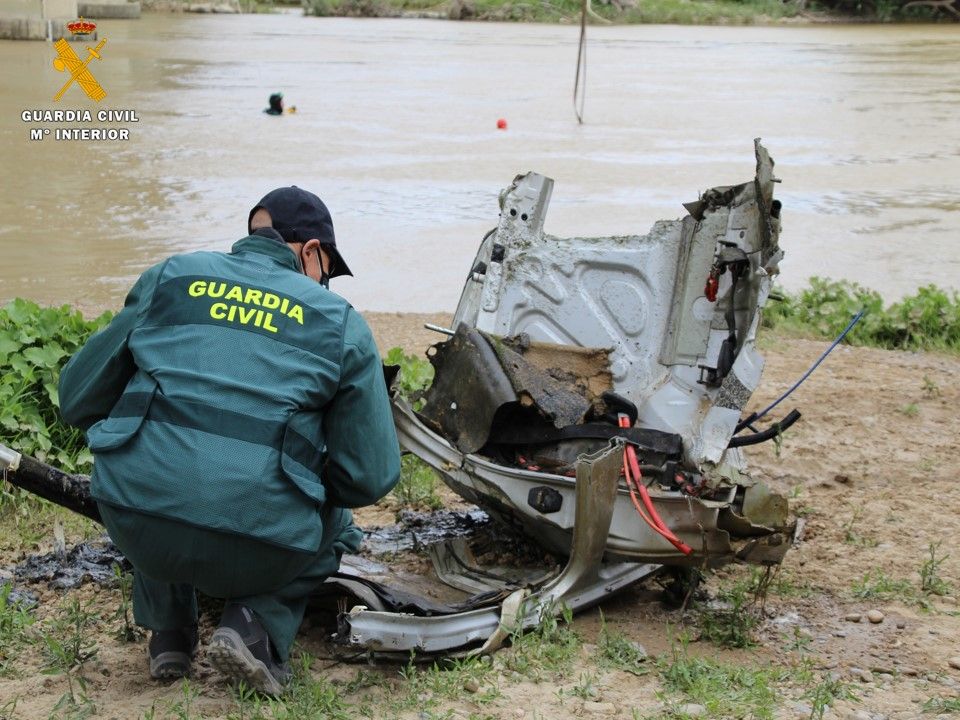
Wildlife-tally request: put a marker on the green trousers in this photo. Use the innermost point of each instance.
(172, 561)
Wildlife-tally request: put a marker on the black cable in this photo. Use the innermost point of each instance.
(771, 432)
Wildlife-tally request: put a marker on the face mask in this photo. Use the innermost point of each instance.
(324, 277)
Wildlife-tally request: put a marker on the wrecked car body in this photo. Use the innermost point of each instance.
(589, 396)
(553, 336)
(572, 362)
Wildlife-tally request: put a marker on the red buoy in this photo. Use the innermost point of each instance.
(501, 124)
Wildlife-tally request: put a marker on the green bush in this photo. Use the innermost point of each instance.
(35, 343)
(928, 320)
(415, 376)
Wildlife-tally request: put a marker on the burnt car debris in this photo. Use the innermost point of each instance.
(590, 396)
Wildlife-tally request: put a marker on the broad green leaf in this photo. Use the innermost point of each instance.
(7, 343)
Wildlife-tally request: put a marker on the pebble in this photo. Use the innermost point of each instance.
(692, 710)
(599, 708)
(519, 713)
(861, 674)
(471, 686)
(875, 616)
(641, 650)
(840, 633)
(954, 662)
(853, 617)
(901, 625)
(859, 715)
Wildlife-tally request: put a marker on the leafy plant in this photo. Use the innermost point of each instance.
(930, 581)
(853, 536)
(930, 319)
(128, 632)
(414, 377)
(732, 624)
(418, 484)
(68, 647)
(68, 642)
(586, 688)
(824, 693)
(930, 388)
(35, 343)
(910, 409)
(182, 707)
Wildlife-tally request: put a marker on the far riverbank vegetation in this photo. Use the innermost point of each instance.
(683, 12)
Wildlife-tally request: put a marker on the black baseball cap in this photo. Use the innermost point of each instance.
(300, 216)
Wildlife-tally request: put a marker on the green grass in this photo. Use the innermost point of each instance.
(822, 695)
(547, 651)
(15, 619)
(852, 535)
(69, 643)
(942, 705)
(728, 691)
(69, 638)
(619, 652)
(733, 623)
(877, 585)
(705, 12)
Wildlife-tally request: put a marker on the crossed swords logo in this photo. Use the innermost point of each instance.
(67, 60)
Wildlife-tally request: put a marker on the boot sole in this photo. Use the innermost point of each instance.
(229, 655)
(170, 666)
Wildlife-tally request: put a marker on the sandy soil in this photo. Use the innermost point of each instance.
(871, 468)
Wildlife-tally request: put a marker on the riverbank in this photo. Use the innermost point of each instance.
(869, 468)
(621, 12)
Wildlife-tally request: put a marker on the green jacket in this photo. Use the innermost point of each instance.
(236, 394)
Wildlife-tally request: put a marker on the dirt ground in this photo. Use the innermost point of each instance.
(871, 469)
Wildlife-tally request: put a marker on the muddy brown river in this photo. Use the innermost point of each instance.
(396, 128)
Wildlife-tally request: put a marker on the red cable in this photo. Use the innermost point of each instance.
(654, 521)
(666, 534)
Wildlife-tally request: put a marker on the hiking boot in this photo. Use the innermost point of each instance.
(171, 652)
(240, 649)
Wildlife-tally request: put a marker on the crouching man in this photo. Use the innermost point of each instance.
(236, 409)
